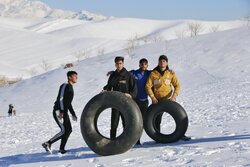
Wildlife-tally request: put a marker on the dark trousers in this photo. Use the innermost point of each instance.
(143, 105)
(158, 122)
(65, 132)
(115, 116)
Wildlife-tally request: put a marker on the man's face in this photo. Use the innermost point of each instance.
(143, 66)
(73, 78)
(163, 63)
(119, 65)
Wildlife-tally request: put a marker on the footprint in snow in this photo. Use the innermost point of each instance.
(92, 160)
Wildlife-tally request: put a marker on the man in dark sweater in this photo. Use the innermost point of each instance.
(60, 113)
(121, 80)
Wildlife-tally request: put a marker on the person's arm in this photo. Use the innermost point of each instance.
(132, 86)
(62, 93)
(176, 86)
(149, 90)
(108, 87)
(109, 73)
(149, 85)
(71, 110)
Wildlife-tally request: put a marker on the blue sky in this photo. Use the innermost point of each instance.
(160, 9)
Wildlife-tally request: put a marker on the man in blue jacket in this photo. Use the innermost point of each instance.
(141, 75)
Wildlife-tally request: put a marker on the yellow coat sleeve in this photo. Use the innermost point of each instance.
(149, 86)
(176, 86)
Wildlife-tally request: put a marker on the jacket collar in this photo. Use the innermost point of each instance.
(122, 72)
(158, 69)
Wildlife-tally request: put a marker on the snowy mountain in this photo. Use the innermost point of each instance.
(27, 44)
(37, 9)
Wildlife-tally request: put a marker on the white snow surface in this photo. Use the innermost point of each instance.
(213, 70)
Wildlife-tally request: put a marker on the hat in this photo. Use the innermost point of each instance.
(163, 57)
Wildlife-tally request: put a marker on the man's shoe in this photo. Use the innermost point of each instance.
(62, 151)
(185, 138)
(47, 147)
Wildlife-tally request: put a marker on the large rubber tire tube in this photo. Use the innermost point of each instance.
(132, 118)
(176, 111)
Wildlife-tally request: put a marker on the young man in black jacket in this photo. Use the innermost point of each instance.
(60, 113)
(121, 80)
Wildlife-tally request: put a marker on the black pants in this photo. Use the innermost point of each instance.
(65, 132)
(158, 122)
(115, 116)
(143, 105)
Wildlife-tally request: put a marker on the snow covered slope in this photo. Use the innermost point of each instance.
(36, 39)
(27, 44)
(213, 70)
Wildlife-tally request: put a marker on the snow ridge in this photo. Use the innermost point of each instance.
(37, 9)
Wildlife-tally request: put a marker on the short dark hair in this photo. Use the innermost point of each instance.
(163, 57)
(70, 73)
(119, 58)
(143, 60)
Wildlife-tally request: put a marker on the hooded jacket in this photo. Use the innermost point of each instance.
(159, 84)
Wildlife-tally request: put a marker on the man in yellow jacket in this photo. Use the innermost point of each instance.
(160, 82)
(159, 86)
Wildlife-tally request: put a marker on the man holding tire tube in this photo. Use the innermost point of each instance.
(120, 80)
(141, 76)
(159, 86)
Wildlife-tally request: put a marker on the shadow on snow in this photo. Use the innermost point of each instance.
(72, 154)
(83, 152)
(195, 141)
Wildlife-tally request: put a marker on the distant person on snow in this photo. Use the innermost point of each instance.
(60, 113)
(120, 80)
(159, 86)
(12, 110)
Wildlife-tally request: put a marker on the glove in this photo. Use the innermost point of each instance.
(74, 118)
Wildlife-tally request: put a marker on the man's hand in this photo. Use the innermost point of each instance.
(173, 98)
(109, 73)
(60, 116)
(128, 95)
(74, 118)
(171, 71)
(103, 91)
(154, 100)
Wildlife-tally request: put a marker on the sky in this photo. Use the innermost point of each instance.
(160, 9)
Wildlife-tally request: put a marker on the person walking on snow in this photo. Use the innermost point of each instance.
(60, 113)
(12, 110)
(159, 86)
